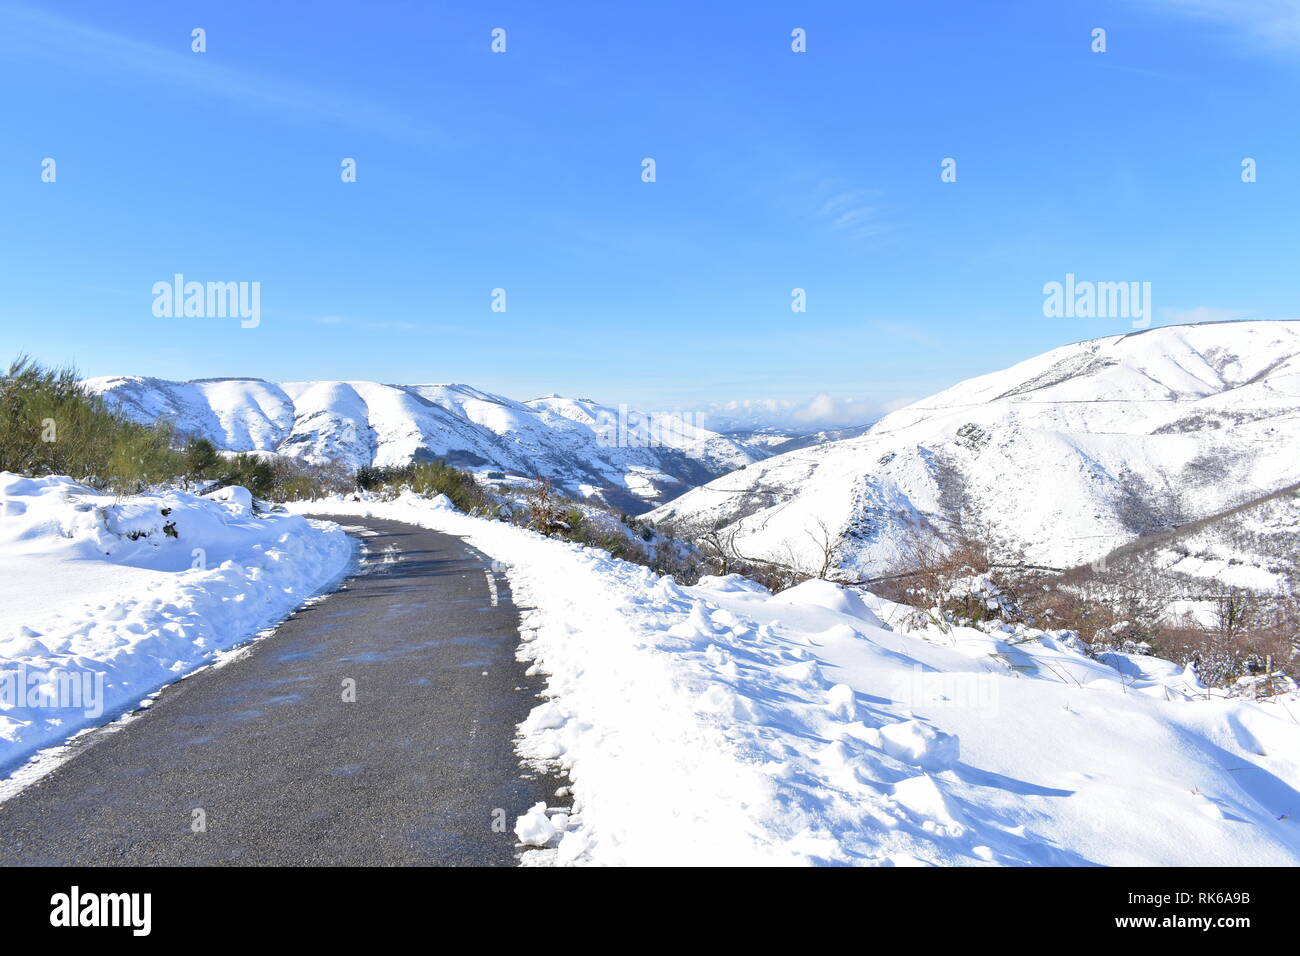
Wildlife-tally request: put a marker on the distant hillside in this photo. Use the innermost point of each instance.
(579, 445)
(1065, 456)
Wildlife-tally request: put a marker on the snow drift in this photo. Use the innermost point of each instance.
(103, 600)
(719, 724)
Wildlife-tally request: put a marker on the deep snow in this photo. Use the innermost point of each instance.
(103, 600)
(714, 724)
(719, 724)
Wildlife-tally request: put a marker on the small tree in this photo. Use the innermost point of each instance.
(827, 544)
(201, 459)
(718, 542)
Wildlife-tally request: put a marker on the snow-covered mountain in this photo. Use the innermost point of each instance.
(1067, 455)
(625, 458)
(773, 442)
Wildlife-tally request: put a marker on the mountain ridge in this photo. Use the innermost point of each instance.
(628, 460)
(1069, 454)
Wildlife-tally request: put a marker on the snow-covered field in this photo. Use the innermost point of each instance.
(103, 600)
(720, 724)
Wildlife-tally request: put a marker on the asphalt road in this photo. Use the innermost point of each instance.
(285, 771)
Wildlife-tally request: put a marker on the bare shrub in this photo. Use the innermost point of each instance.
(715, 542)
(545, 509)
(1252, 635)
(966, 573)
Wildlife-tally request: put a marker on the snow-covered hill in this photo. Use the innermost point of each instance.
(626, 458)
(1068, 455)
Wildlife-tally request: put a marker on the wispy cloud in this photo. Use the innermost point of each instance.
(35, 34)
(1273, 24)
(855, 212)
(816, 197)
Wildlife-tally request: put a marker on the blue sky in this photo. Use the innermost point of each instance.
(522, 171)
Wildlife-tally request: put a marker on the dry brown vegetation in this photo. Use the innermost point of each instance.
(1247, 634)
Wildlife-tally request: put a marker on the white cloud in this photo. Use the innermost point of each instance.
(822, 411)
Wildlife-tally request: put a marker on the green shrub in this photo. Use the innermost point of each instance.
(252, 471)
(430, 478)
(439, 478)
(51, 425)
(296, 488)
(201, 459)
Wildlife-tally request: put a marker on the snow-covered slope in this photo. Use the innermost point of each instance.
(1067, 455)
(1254, 547)
(585, 448)
(722, 725)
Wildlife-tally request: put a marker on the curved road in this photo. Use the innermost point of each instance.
(415, 771)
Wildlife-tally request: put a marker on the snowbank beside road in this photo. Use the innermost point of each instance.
(103, 599)
(719, 724)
